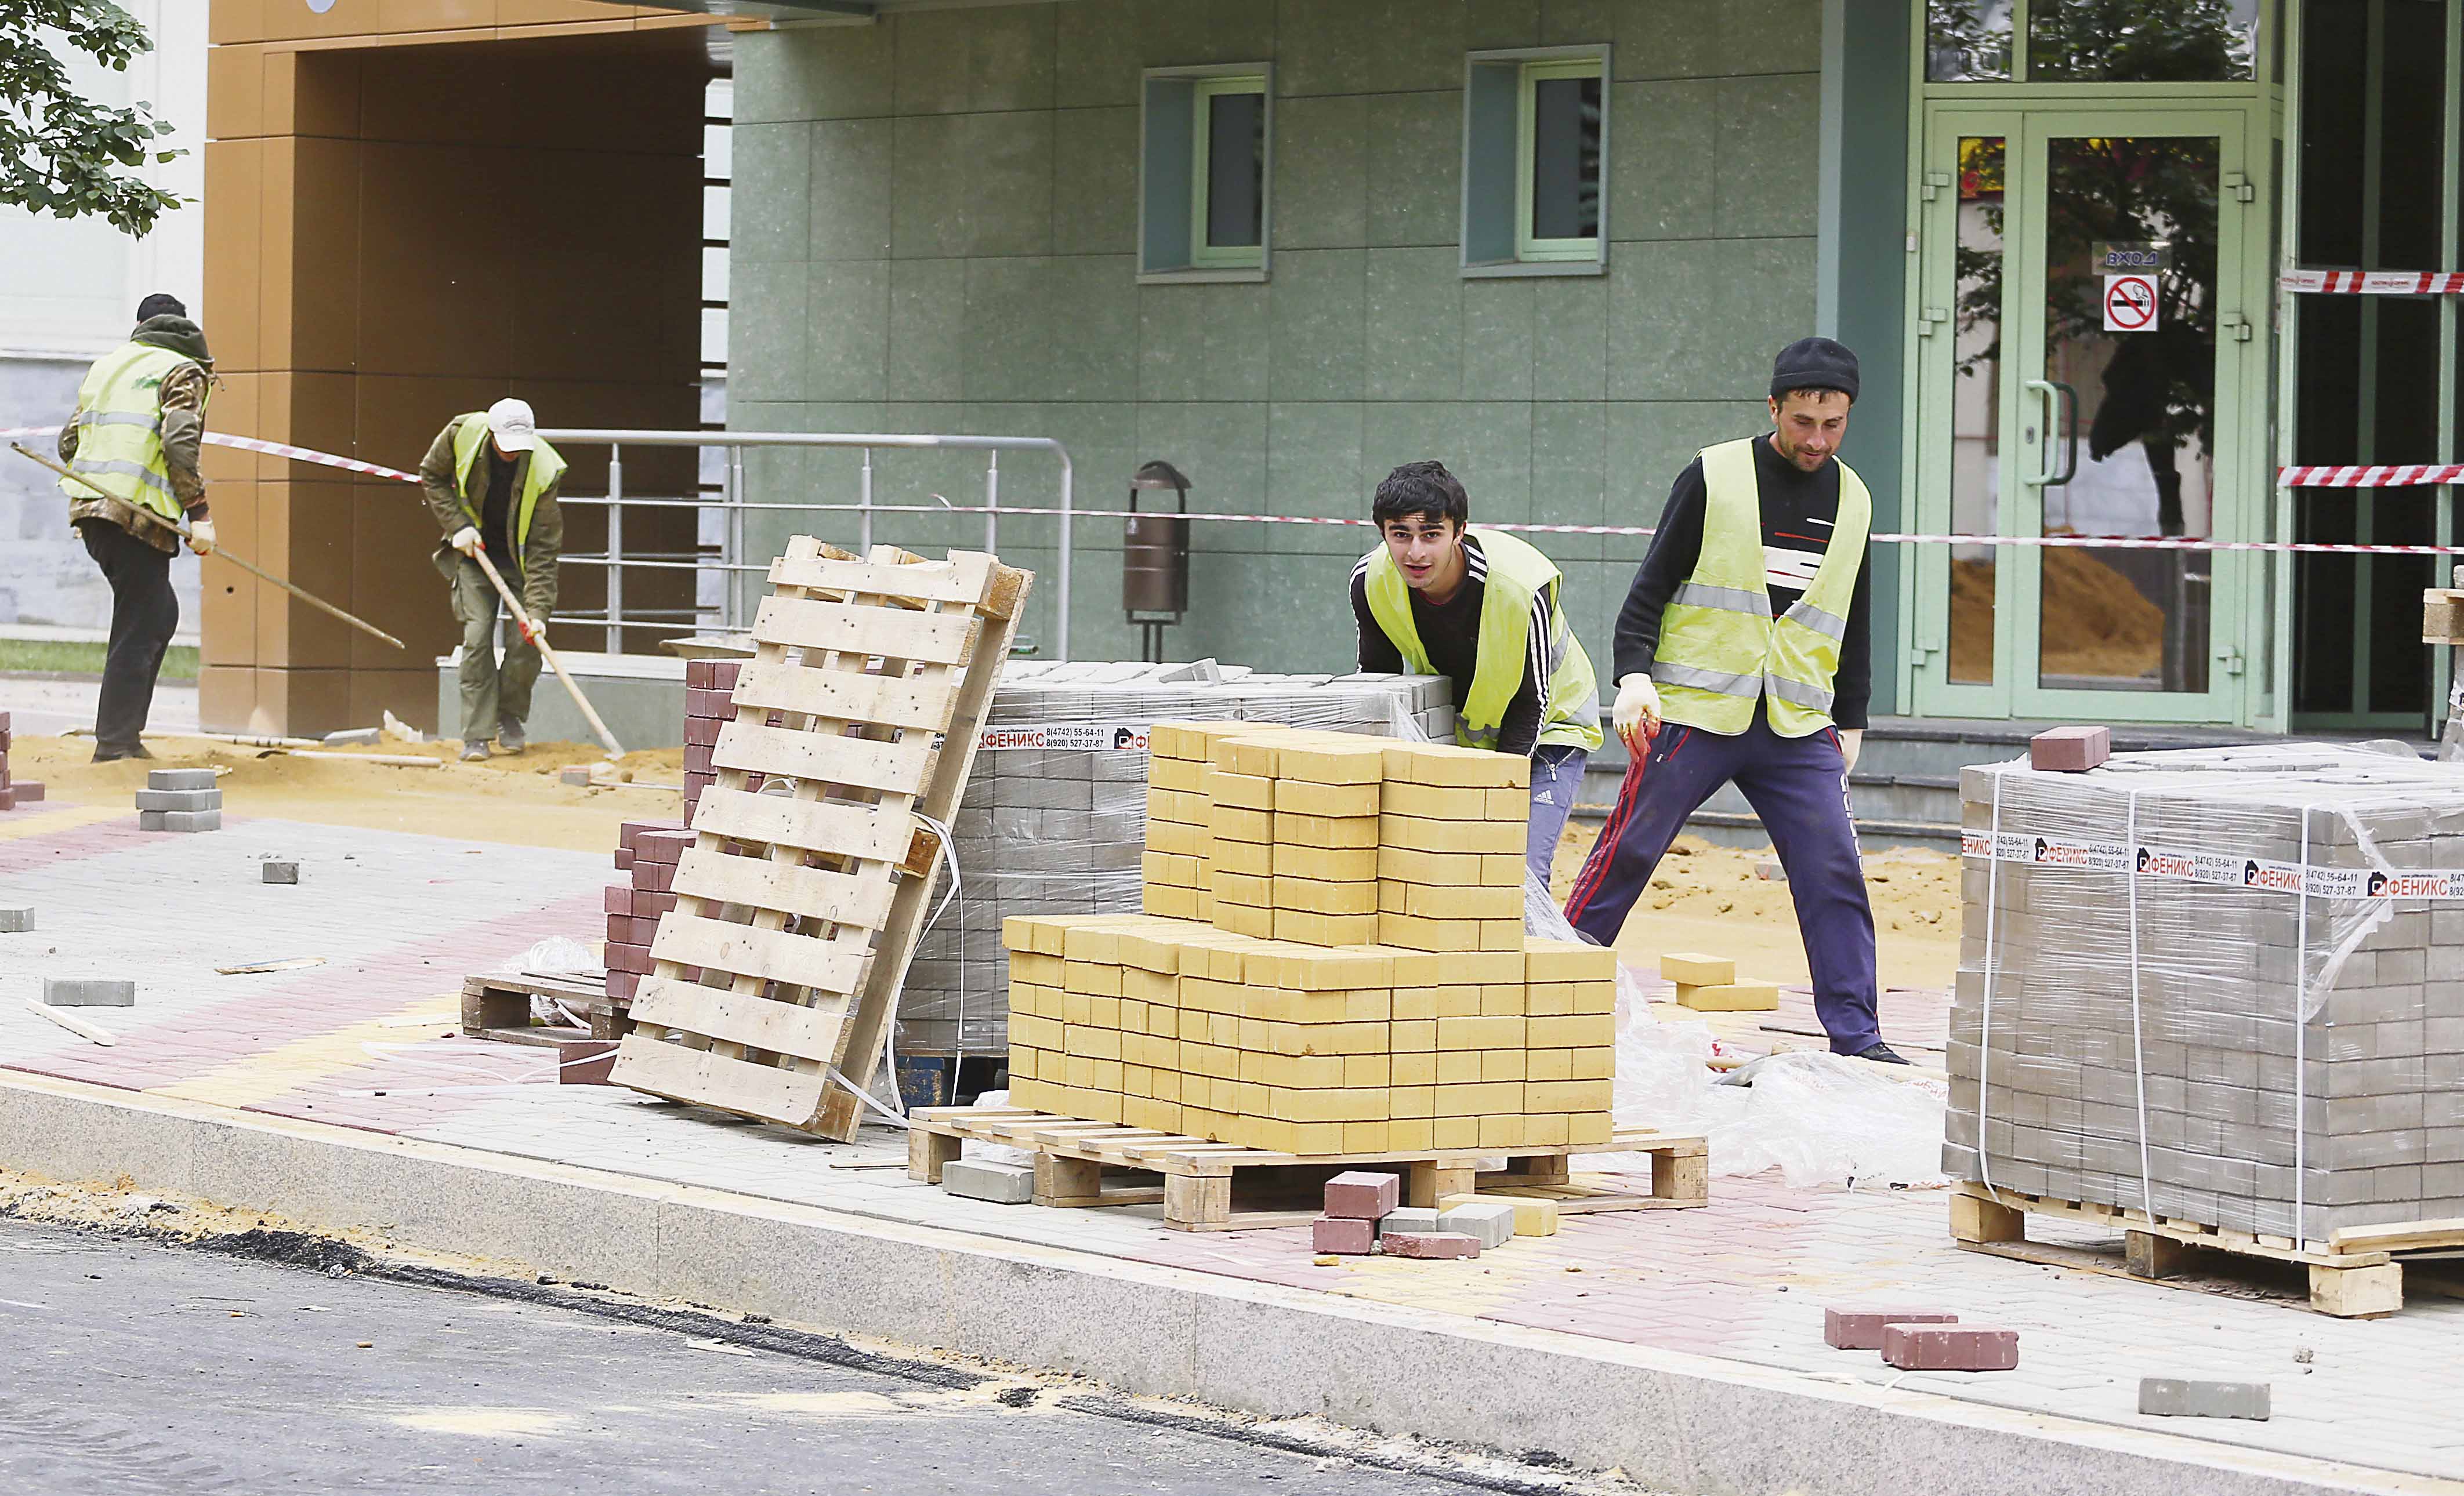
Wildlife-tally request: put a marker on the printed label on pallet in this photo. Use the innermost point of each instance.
(2215, 868)
(1069, 737)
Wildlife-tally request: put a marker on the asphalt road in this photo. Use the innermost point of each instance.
(127, 1366)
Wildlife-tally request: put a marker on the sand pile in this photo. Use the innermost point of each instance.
(2095, 623)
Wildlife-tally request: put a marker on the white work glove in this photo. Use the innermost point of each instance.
(465, 541)
(201, 536)
(1852, 742)
(1636, 713)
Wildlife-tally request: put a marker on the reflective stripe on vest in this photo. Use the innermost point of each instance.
(1517, 575)
(1720, 649)
(120, 429)
(544, 467)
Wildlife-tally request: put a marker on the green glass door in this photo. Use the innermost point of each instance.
(2084, 356)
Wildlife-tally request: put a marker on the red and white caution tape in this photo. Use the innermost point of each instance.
(2290, 477)
(2374, 283)
(250, 444)
(302, 454)
(2382, 475)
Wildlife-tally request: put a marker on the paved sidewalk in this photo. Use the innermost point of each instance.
(364, 1041)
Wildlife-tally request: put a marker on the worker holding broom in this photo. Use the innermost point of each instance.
(133, 444)
(1744, 656)
(491, 485)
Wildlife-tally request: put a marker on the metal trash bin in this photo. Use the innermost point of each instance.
(1155, 559)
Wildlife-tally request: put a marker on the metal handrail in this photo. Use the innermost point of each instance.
(733, 503)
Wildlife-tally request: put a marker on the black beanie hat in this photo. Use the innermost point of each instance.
(161, 304)
(1813, 363)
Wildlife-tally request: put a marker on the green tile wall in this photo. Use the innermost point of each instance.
(936, 221)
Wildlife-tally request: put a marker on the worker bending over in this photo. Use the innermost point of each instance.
(1750, 614)
(139, 417)
(491, 485)
(1481, 608)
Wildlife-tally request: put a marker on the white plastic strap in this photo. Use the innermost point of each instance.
(1984, 1037)
(2300, 1059)
(2137, 1040)
(948, 857)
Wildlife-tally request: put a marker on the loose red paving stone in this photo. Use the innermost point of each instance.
(1429, 1244)
(1351, 1235)
(1363, 1195)
(1859, 1327)
(1950, 1348)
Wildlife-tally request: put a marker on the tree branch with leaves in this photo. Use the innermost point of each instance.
(63, 154)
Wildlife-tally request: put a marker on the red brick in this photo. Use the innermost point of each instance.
(653, 878)
(647, 905)
(2070, 749)
(709, 704)
(1950, 1348)
(630, 834)
(1350, 1235)
(662, 846)
(1858, 1327)
(1429, 1244)
(27, 790)
(1363, 1194)
(623, 861)
(623, 985)
(699, 760)
(616, 899)
(702, 732)
(712, 675)
(585, 1062)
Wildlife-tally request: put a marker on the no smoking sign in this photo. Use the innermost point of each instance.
(2131, 303)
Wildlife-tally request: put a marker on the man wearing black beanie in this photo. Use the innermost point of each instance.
(1744, 654)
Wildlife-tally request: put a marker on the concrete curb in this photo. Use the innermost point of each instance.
(1674, 1422)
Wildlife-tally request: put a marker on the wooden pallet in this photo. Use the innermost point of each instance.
(800, 911)
(1198, 1177)
(496, 1006)
(2356, 1274)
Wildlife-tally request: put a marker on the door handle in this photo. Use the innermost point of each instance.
(2061, 401)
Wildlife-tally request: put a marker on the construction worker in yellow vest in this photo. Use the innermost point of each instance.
(1744, 656)
(492, 486)
(139, 417)
(1482, 608)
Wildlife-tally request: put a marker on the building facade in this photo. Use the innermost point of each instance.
(70, 294)
(1284, 244)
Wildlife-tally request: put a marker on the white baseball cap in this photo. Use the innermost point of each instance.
(511, 422)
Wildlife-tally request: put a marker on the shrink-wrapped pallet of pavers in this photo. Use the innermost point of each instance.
(2223, 985)
(1054, 816)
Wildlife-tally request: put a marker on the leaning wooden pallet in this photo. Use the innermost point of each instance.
(815, 862)
(2357, 1274)
(1198, 1177)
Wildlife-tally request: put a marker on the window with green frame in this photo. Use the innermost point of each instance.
(1535, 161)
(1227, 174)
(1206, 207)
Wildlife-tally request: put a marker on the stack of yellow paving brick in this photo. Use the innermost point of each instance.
(1332, 961)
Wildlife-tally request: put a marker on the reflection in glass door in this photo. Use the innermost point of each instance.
(2081, 355)
(2125, 397)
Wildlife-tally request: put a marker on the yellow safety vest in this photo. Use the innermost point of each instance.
(1517, 573)
(546, 466)
(1720, 649)
(119, 428)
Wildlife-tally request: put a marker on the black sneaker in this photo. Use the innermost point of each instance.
(1880, 1054)
(103, 754)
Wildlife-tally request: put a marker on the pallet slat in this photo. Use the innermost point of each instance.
(831, 965)
(704, 1078)
(756, 1022)
(824, 757)
(834, 826)
(939, 639)
(809, 892)
(843, 694)
(927, 581)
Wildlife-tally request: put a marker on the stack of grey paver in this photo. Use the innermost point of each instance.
(2158, 1009)
(180, 799)
(1054, 816)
